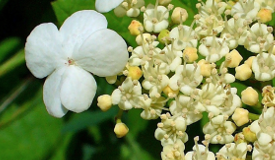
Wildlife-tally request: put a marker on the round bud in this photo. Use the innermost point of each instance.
(240, 116)
(243, 72)
(121, 130)
(104, 102)
(250, 96)
(134, 27)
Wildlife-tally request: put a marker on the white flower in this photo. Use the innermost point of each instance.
(82, 45)
(263, 66)
(106, 5)
(213, 48)
(127, 95)
(156, 18)
(246, 9)
(233, 151)
(220, 130)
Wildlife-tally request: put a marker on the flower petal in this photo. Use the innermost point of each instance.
(79, 26)
(106, 5)
(104, 53)
(43, 49)
(78, 89)
(51, 93)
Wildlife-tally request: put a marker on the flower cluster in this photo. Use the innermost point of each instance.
(183, 71)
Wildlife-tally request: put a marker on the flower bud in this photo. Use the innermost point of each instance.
(104, 102)
(264, 15)
(249, 135)
(243, 72)
(134, 27)
(146, 37)
(191, 53)
(233, 59)
(179, 15)
(164, 2)
(240, 116)
(121, 130)
(205, 68)
(163, 36)
(134, 72)
(250, 96)
(169, 92)
(249, 61)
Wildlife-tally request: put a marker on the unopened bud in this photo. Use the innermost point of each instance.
(169, 92)
(249, 61)
(249, 135)
(264, 15)
(121, 130)
(163, 36)
(179, 15)
(233, 59)
(205, 68)
(250, 96)
(191, 52)
(164, 2)
(134, 72)
(134, 27)
(104, 102)
(243, 72)
(240, 116)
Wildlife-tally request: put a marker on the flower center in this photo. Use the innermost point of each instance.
(70, 61)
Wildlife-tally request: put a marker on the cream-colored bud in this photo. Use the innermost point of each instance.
(164, 2)
(134, 72)
(134, 27)
(146, 37)
(191, 53)
(249, 61)
(104, 102)
(179, 15)
(169, 92)
(249, 135)
(264, 15)
(121, 130)
(233, 59)
(205, 68)
(240, 116)
(243, 72)
(250, 96)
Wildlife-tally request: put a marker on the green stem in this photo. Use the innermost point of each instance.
(119, 115)
(14, 95)
(253, 116)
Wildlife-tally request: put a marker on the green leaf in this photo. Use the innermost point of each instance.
(8, 47)
(32, 134)
(88, 119)
(15, 61)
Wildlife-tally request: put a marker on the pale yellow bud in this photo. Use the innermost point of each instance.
(250, 96)
(134, 27)
(179, 15)
(205, 68)
(134, 72)
(243, 72)
(121, 130)
(191, 53)
(169, 92)
(146, 37)
(249, 135)
(104, 102)
(240, 116)
(249, 61)
(264, 15)
(164, 2)
(233, 59)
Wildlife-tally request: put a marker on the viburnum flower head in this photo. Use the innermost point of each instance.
(83, 44)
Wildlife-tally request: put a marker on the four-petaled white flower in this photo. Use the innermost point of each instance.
(83, 44)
